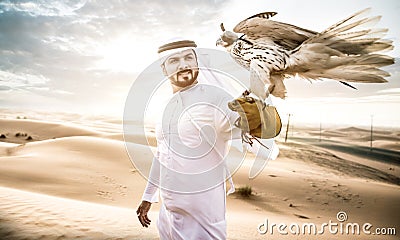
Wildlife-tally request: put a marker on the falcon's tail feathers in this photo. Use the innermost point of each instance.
(364, 68)
(350, 73)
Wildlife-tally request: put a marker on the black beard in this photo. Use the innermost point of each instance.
(187, 81)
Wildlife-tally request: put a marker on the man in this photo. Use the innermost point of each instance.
(189, 168)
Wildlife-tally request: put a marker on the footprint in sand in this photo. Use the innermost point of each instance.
(105, 195)
(335, 192)
(121, 189)
(107, 187)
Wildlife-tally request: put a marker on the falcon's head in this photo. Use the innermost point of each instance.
(227, 38)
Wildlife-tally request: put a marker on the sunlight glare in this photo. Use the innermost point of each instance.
(123, 54)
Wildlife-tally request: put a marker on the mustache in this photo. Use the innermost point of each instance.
(185, 71)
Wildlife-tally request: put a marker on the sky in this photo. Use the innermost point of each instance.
(83, 56)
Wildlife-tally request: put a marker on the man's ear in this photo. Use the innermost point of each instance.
(163, 70)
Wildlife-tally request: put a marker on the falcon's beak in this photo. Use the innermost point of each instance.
(220, 42)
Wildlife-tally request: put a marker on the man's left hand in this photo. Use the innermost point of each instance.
(142, 211)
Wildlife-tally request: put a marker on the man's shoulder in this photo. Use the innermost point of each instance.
(213, 93)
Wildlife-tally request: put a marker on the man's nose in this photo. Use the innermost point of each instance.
(183, 64)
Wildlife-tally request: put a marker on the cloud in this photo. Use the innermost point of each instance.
(63, 41)
(42, 7)
(42, 31)
(4, 88)
(21, 80)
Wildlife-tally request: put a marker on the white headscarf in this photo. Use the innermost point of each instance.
(173, 46)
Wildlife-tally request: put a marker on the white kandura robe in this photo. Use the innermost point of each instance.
(207, 121)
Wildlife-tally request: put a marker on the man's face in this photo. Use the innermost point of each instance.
(181, 68)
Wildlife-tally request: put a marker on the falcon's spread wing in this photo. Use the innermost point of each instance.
(260, 28)
(348, 51)
(352, 35)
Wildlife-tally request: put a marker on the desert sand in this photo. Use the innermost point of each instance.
(74, 180)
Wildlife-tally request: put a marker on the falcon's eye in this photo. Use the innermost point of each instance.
(250, 99)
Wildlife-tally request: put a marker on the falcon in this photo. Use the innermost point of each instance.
(348, 51)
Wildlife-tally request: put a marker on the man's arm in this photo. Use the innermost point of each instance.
(150, 194)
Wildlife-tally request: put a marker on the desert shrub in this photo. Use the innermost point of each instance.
(245, 191)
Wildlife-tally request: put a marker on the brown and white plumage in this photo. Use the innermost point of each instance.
(348, 51)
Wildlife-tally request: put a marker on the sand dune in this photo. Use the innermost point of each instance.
(39, 130)
(337, 165)
(27, 215)
(385, 139)
(86, 168)
(77, 182)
